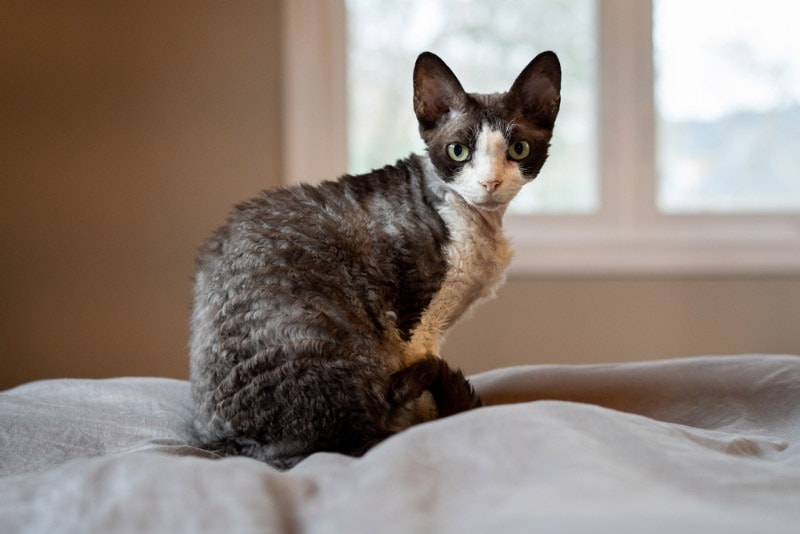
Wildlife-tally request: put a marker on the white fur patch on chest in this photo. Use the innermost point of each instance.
(477, 256)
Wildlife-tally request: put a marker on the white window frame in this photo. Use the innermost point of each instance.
(627, 235)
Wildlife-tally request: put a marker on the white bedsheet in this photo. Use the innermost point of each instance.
(694, 445)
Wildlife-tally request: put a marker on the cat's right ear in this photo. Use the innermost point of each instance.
(437, 91)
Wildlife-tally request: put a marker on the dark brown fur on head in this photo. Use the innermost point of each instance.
(447, 114)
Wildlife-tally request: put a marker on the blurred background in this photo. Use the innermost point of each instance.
(128, 131)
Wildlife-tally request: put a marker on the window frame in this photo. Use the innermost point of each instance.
(626, 235)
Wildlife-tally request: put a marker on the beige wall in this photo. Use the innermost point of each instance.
(575, 320)
(127, 130)
(126, 133)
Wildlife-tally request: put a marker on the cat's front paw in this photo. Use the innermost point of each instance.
(425, 407)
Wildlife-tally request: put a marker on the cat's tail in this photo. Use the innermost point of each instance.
(451, 391)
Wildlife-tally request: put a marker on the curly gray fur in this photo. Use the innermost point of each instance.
(309, 302)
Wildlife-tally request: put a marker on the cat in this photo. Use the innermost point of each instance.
(319, 311)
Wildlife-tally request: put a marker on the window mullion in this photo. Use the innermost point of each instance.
(627, 123)
(314, 90)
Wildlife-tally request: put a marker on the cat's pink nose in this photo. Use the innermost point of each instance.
(491, 185)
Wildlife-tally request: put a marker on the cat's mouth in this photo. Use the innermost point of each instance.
(489, 204)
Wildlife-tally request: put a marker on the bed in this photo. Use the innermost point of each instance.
(707, 444)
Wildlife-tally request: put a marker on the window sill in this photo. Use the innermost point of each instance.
(702, 246)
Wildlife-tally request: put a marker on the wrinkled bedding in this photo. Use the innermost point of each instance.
(708, 444)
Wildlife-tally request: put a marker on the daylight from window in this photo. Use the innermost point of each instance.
(728, 103)
(487, 44)
(727, 93)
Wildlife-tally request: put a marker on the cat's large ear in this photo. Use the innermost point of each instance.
(536, 93)
(437, 91)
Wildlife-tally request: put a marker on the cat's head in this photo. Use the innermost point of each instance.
(486, 147)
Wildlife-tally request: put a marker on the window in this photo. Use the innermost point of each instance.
(728, 97)
(631, 186)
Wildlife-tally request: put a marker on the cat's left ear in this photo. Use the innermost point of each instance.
(536, 92)
(437, 91)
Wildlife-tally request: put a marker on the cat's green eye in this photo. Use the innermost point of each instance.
(519, 150)
(458, 152)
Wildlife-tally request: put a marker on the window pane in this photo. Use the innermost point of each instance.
(728, 98)
(487, 43)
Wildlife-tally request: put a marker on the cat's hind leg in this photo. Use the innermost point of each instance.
(434, 388)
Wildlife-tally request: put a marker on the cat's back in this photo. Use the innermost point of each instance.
(389, 203)
(312, 270)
